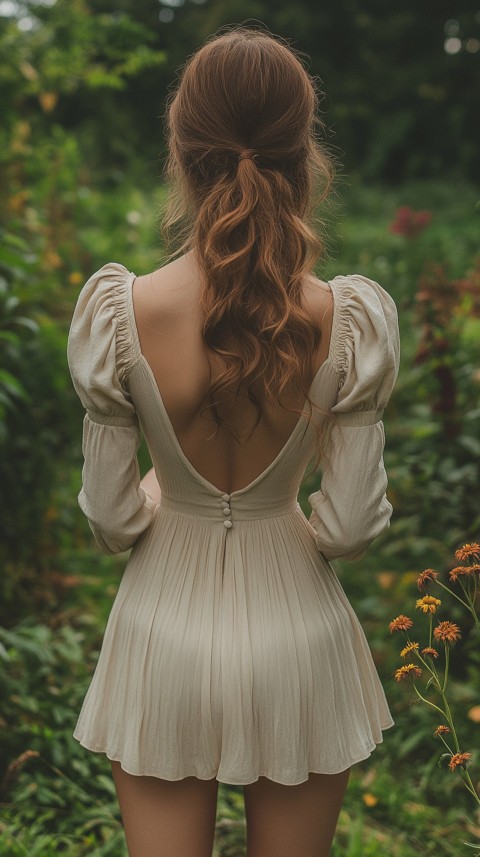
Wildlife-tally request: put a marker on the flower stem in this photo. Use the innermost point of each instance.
(449, 717)
(469, 785)
(447, 660)
(427, 701)
(447, 588)
(446, 745)
(431, 668)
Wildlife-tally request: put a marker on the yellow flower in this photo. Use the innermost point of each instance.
(428, 604)
(447, 632)
(369, 799)
(429, 650)
(407, 671)
(426, 577)
(467, 551)
(75, 278)
(410, 647)
(459, 759)
(440, 730)
(401, 623)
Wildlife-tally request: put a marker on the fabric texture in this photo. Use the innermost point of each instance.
(231, 649)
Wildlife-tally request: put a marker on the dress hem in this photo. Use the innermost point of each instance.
(230, 781)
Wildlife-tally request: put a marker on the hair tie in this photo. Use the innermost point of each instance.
(247, 153)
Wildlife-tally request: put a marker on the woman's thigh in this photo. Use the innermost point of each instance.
(164, 818)
(293, 820)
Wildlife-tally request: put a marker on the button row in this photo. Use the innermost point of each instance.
(226, 510)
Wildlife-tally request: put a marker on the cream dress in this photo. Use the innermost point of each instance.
(231, 649)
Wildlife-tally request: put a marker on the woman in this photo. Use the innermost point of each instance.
(231, 651)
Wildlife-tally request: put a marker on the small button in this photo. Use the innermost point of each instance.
(227, 511)
(225, 496)
(225, 505)
(227, 524)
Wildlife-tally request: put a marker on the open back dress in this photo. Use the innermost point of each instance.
(231, 649)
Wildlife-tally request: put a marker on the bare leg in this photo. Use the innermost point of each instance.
(162, 818)
(293, 820)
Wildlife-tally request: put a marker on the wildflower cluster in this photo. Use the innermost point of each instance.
(443, 635)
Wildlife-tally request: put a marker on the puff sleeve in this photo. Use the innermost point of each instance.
(351, 508)
(100, 354)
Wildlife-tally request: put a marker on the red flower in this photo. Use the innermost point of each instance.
(410, 223)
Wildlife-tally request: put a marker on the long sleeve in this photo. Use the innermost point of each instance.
(351, 508)
(100, 354)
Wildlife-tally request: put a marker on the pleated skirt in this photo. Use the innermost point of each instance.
(232, 655)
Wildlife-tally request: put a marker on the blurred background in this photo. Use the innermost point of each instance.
(82, 96)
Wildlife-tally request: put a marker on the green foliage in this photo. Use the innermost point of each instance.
(38, 433)
(55, 798)
(13, 323)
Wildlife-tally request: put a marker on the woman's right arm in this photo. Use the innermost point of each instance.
(351, 507)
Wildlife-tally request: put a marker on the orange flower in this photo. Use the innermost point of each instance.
(474, 713)
(429, 650)
(440, 730)
(410, 647)
(401, 623)
(456, 572)
(459, 759)
(428, 604)
(467, 551)
(426, 577)
(408, 671)
(447, 632)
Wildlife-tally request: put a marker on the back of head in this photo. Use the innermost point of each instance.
(245, 170)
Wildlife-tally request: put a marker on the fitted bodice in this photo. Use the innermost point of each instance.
(273, 492)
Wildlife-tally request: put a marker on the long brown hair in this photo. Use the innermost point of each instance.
(246, 170)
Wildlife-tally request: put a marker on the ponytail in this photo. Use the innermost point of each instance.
(245, 171)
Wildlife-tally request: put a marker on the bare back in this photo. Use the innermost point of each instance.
(167, 314)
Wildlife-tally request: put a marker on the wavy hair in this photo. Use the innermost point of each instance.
(245, 170)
